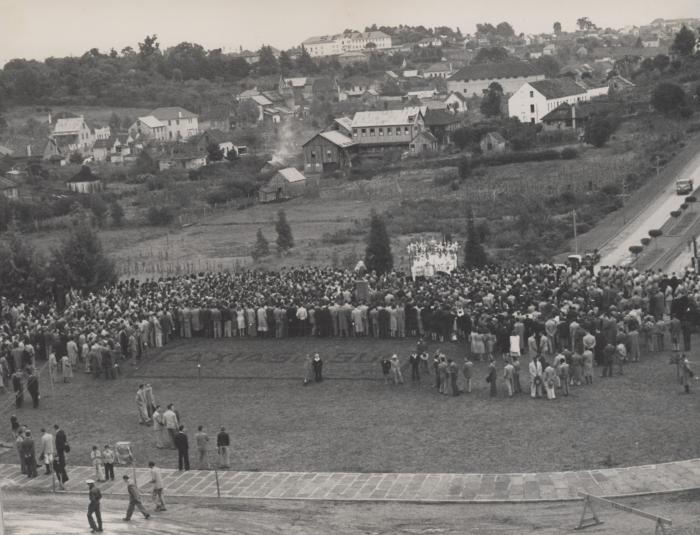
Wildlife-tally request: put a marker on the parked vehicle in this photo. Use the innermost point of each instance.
(684, 186)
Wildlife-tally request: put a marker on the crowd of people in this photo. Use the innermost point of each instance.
(485, 307)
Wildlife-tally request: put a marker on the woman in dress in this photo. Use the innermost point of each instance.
(66, 369)
(476, 340)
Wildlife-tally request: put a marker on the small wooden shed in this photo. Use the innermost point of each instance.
(285, 184)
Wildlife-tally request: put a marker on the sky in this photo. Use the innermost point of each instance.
(36, 29)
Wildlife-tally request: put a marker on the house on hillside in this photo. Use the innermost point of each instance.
(85, 181)
(438, 70)
(328, 151)
(72, 134)
(216, 137)
(427, 42)
(375, 131)
(149, 128)
(456, 102)
(534, 100)
(180, 124)
(441, 124)
(424, 141)
(8, 188)
(620, 83)
(474, 79)
(285, 184)
(492, 143)
(342, 125)
(565, 117)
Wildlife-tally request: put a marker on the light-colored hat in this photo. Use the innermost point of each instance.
(90, 481)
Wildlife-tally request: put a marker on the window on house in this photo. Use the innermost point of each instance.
(532, 120)
(354, 132)
(381, 131)
(406, 130)
(389, 131)
(532, 108)
(328, 153)
(371, 131)
(398, 130)
(313, 154)
(364, 132)
(532, 94)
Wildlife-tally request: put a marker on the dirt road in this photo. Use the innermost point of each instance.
(27, 514)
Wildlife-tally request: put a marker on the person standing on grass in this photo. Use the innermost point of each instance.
(29, 454)
(157, 481)
(491, 379)
(535, 369)
(47, 450)
(508, 377)
(423, 358)
(442, 374)
(386, 369)
(201, 440)
(183, 449)
(33, 387)
(18, 388)
(396, 374)
(141, 406)
(134, 500)
(308, 370)
(223, 443)
(454, 372)
(587, 367)
(564, 375)
(414, 361)
(318, 368)
(108, 460)
(18, 445)
(171, 424)
(467, 372)
(517, 388)
(620, 356)
(66, 369)
(608, 355)
(150, 399)
(95, 496)
(549, 379)
(159, 430)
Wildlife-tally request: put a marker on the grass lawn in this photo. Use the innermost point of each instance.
(353, 422)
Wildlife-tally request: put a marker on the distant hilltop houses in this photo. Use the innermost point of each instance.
(334, 45)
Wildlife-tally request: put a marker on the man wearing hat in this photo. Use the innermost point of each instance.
(95, 496)
(134, 500)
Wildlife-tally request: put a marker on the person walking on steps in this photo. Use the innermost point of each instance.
(95, 496)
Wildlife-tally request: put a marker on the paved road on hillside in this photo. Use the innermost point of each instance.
(616, 251)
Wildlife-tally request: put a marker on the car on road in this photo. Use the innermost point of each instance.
(684, 186)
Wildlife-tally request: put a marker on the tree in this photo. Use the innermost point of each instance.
(80, 263)
(584, 23)
(557, 28)
(684, 42)
(116, 212)
(668, 98)
(491, 103)
(145, 164)
(305, 63)
(549, 65)
(214, 152)
(267, 62)
(505, 30)
(114, 122)
(76, 157)
(286, 63)
(391, 88)
(285, 240)
(474, 253)
(494, 54)
(598, 131)
(248, 112)
(378, 255)
(661, 62)
(21, 269)
(99, 208)
(261, 248)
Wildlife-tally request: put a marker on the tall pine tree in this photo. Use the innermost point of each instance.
(474, 254)
(378, 255)
(261, 248)
(285, 240)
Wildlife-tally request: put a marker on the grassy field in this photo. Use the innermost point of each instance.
(354, 422)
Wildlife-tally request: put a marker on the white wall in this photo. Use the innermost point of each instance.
(477, 87)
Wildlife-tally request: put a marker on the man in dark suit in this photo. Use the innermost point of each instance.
(28, 452)
(183, 453)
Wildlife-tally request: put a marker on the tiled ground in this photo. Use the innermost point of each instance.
(545, 486)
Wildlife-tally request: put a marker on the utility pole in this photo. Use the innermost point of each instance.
(575, 233)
